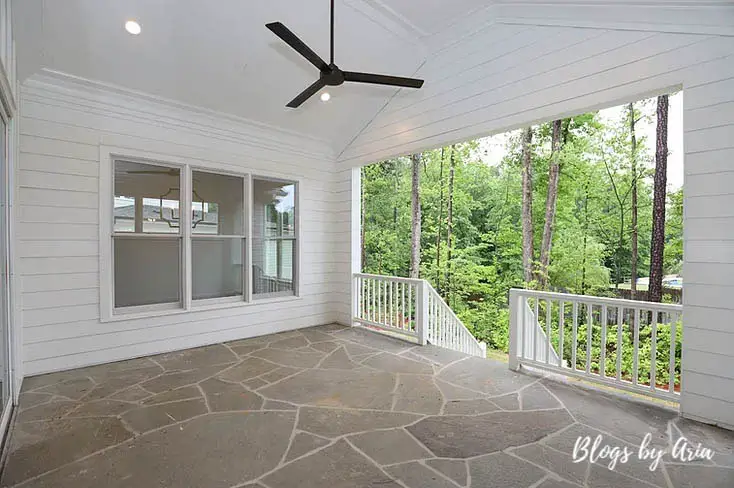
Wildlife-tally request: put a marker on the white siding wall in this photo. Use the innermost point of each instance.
(500, 77)
(63, 124)
(346, 238)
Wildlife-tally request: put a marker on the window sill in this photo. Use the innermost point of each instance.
(198, 308)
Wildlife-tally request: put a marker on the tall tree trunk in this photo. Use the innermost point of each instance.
(450, 223)
(363, 253)
(440, 222)
(633, 260)
(527, 206)
(657, 245)
(415, 235)
(550, 205)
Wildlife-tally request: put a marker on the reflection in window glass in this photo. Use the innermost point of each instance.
(147, 265)
(274, 237)
(146, 198)
(217, 204)
(217, 267)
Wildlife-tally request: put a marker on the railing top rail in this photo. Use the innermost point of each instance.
(415, 281)
(617, 302)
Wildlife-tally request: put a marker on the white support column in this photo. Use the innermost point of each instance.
(356, 238)
(514, 325)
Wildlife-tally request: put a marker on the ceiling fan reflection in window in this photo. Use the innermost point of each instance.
(173, 221)
(330, 74)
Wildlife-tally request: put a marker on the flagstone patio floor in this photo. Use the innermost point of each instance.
(340, 407)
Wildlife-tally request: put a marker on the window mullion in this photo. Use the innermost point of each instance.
(185, 234)
(248, 204)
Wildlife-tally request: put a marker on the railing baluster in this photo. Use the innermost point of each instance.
(444, 331)
(653, 349)
(520, 329)
(434, 321)
(673, 349)
(393, 321)
(561, 314)
(549, 308)
(437, 323)
(535, 326)
(410, 307)
(620, 321)
(402, 305)
(380, 302)
(603, 349)
(589, 327)
(574, 346)
(431, 318)
(372, 299)
(635, 345)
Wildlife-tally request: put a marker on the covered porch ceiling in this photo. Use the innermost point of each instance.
(224, 60)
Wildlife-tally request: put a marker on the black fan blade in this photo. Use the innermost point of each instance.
(382, 79)
(293, 41)
(307, 93)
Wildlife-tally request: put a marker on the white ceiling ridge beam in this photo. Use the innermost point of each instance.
(466, 25)
(459, 29)
(387, 18)
(206, 119)
(674, 17)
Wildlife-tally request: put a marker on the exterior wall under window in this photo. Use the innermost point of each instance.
(63, 128)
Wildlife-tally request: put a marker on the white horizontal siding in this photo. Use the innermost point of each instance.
(57, 232)
(535, 73)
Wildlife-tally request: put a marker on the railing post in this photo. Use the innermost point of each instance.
(355, 299)
(421, 312)
(514, 325)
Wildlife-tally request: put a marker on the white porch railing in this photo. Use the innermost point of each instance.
(627, 344)
(537, 342)
(411, 307)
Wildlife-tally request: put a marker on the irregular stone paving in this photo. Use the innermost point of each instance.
(340, 407)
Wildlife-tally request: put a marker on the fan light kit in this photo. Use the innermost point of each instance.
(330, 74)
(132, 27)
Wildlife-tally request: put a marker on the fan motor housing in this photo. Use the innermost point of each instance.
(334, 76)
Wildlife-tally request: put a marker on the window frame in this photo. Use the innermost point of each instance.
(180, 236)
(245, 237)
(108, 312)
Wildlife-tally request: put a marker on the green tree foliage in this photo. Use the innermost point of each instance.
(591, 241)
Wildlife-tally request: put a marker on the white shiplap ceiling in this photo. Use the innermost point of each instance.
(219, 55)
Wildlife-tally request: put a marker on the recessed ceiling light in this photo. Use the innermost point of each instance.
(132, 27)
(325, 97)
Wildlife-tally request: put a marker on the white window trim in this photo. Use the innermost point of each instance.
(107, 156)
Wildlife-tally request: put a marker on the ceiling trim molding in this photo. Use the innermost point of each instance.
(120, 102)
(705, 18)
(199, 118)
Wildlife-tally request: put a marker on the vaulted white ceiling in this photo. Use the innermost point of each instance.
(219, 55)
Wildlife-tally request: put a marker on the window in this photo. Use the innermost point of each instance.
(163, 258)
(274, 237)
(146, 238)
(217, 235)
